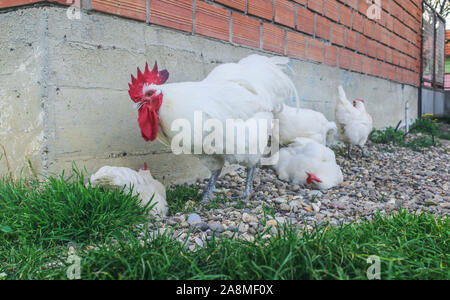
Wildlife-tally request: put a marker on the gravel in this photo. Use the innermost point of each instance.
(384, 182)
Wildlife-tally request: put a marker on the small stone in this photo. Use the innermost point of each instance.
(285, 207)
(295, 188)
(217, 227)
(247, 218)
(202, 226)
(248, 237)
(271, 223)
(316, 206)
(243, 228)
(199, 242)
(280, 200)
(194, 219)
(315, 193)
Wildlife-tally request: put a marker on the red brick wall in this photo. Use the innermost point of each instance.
(334, 32)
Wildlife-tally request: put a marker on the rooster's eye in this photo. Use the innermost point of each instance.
(150, 93)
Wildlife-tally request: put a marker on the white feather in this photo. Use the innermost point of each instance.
(307, 123)
(304, 156)
(142, 182)
(354, 123)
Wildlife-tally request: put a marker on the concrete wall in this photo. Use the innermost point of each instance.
(73, 84)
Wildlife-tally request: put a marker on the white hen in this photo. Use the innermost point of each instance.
(306, 161)
(254, 88)
(141, 181)
(354, 123)
(306, 123)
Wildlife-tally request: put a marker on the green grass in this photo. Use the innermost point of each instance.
(398, 138)
(40, 218)
(178, 196)
(426, 126)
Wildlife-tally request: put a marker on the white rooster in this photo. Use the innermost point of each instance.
(305, 161)
(253, 88)
(353, 121)
(307, 123)
(142, 183)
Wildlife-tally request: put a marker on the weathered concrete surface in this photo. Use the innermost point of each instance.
(80, 111)
(22, 92)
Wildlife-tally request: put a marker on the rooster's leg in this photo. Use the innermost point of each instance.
(212, 182)
(364, 153)
(349, 150)
(248, 186)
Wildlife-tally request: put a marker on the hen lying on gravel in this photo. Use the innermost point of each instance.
(306, 161)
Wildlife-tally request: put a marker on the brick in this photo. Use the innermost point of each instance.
(261, 8)
(356, 64)
(388, 54)
(351, 39)
(302, 2)
(305, 20)
(134, 10)
(362, 44)
(331, 9)
(389, 22)
(285, 13)
(377, 29)
(381, 52)
(366, 66)
(345, 17)
(295, 45)
(363, 6)
(316, 5)
(315, 50)
(357, 22)
(323, 27)
(273, 38)
(353, 4)
(331, 55)
(337, 34)
(246, 30)
(384, 36)
(237, 4)
(368, 27)
(395, 58)
(172, 13)
(344, 59)
(372, 48)
(12, 3)
(212, 21)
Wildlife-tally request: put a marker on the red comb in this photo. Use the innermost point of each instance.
(148, 77)
(312, 177)
(145, 168)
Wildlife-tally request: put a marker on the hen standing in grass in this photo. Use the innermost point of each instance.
(354, 123)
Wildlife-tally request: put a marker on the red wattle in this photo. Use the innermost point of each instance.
(148, 123)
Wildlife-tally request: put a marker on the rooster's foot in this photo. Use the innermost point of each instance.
(210, 189)
(364, 153)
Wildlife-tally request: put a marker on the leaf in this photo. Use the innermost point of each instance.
(6, 229)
